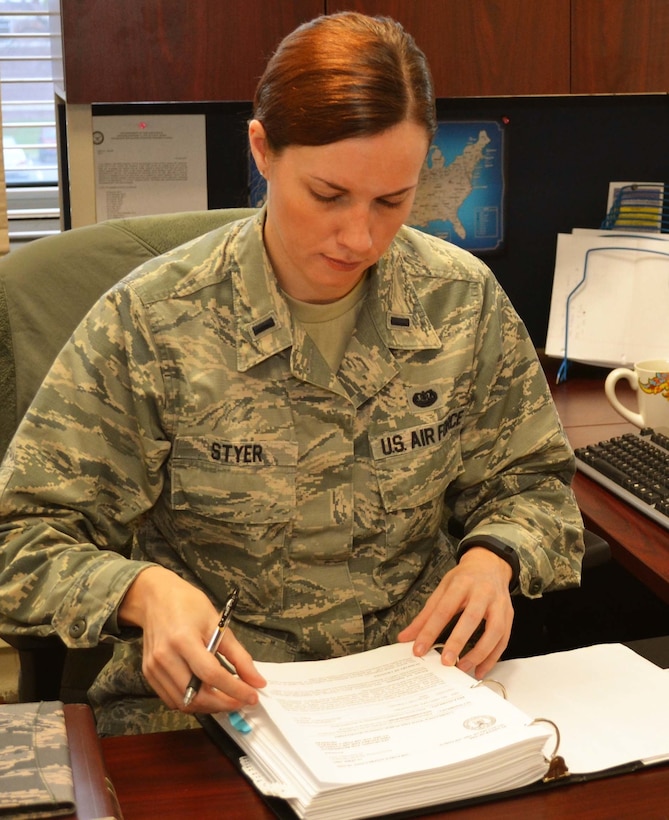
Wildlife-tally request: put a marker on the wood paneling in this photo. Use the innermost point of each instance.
(481, 48)
(202, 50)
(172, 50)
(620, 46)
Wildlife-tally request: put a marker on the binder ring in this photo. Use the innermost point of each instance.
(557, 733)
(557, 768)
(490, 682)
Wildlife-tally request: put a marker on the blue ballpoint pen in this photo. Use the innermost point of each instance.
(212, 646)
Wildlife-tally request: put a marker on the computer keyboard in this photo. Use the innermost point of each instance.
(635, 468)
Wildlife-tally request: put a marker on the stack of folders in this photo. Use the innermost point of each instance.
(51, 763)
(385, 732)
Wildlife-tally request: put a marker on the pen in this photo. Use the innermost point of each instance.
(195, 683)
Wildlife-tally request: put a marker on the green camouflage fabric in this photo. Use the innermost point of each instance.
(190, 422)
(35, 771)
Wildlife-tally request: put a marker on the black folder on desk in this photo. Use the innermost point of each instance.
(52, 763)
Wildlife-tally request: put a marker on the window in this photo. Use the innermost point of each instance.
(28, 118)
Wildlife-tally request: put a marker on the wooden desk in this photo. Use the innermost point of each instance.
(183, 774)
(180, 775)
(637, 542)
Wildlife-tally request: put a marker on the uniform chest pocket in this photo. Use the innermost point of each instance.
(251, 482)
(416, 464)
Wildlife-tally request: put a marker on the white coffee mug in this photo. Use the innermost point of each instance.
(650, 380)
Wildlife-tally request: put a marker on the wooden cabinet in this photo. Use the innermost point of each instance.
(620, 47)
(177, 51)
(485, 48)
(492, 48)
(171, 50)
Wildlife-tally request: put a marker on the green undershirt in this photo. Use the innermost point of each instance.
(330, 325)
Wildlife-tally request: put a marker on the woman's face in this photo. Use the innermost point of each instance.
(332, 210)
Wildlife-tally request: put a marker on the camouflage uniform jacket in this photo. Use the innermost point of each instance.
(191, 423)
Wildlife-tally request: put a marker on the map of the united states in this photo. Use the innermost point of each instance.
(461, 186)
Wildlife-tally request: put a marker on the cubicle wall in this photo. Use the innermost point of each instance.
(562, 152)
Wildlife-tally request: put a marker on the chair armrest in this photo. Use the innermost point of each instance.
(41, 663)
(597, 551)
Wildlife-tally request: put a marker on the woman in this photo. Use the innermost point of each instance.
(340, 415)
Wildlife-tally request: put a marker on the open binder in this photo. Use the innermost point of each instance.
(598, 698)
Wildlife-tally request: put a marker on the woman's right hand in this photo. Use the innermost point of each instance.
(178, 620)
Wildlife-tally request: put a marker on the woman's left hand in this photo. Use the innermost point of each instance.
(478, 589)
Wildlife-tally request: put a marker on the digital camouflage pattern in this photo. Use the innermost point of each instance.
(191, 423)
(35, 770)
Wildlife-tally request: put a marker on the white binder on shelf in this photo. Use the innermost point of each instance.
(610, 298)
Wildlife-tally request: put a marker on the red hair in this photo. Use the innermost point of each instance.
(340, 76)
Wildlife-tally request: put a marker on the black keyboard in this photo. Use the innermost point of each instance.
(635, 468)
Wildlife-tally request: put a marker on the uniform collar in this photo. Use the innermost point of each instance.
(391, 318)
(397, 312)
(263, 316)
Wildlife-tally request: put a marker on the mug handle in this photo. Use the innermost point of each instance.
(610, 389)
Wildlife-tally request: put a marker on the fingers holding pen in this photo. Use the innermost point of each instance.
(177, 621)
(228, 678)
(170, 667)
(212, 646)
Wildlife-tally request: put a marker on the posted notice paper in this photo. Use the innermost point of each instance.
(149, 164)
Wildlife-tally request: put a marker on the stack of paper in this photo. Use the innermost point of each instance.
(384, 731)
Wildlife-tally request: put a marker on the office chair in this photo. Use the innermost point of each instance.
(46, 288)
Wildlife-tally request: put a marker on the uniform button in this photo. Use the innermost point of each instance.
(78, 628)
(535, 586)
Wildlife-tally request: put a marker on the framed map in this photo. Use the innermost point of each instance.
(460, 197)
